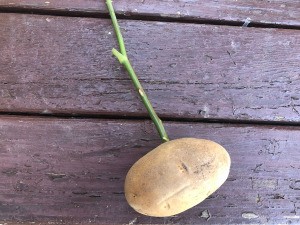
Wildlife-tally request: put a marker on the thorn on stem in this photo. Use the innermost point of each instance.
(141, 92)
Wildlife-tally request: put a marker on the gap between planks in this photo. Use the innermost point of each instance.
(140, 117)
(141, 17)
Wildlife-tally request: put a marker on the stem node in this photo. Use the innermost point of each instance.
(122, 59)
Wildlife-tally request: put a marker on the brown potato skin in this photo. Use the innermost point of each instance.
(176, 176)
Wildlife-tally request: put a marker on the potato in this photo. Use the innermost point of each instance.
(176, 176)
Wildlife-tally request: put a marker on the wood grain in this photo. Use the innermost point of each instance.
(259, 12)
(64, 65)
(72, 171)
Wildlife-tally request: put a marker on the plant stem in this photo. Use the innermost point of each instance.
(123, 59)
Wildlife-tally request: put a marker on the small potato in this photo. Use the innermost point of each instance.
(176, 176)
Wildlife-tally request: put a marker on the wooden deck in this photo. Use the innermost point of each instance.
(72, 124)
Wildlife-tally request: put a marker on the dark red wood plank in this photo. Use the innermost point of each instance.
(64, 65)
(72, 171)
(285, 12)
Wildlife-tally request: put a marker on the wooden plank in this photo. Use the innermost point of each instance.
(72, 171)
(260, 12)
(64, 65)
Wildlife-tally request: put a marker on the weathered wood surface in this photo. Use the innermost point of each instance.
(72, 171)
(259, 12)
(64, 65)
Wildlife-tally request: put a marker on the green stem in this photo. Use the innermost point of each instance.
(123, 59)
(116, 27)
